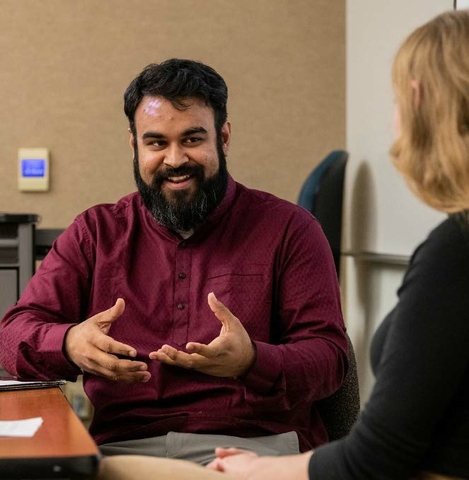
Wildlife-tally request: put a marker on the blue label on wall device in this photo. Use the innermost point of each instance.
(33, 168)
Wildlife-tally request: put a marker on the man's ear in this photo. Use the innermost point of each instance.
(131, 141)
(226, 136)
(417, 92)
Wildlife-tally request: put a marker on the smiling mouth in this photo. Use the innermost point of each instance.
(178, 180)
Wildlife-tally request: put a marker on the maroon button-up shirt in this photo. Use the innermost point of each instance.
(266, 259)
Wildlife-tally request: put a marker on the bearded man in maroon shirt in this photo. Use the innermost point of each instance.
(200, 312)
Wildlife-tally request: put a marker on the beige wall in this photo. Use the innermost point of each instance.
(65, 64)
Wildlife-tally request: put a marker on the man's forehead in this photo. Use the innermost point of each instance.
(158, 114)
(151, 104)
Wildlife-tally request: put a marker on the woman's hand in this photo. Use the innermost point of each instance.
(249, 466)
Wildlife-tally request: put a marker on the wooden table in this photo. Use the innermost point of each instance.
(61, 448)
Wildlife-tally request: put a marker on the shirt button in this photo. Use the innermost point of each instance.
(182, 275)
(181, 306)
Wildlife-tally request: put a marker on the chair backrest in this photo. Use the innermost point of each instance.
(322, 195)
(340, 410)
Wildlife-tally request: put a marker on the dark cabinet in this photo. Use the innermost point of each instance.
(17, 259)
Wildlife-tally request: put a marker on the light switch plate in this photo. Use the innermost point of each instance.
(33, 169)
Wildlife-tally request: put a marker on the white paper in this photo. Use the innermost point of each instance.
(20, 428)
(14, 383)
(11, 383)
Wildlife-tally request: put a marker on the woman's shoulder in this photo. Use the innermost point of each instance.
(441, 260)
(447, 241)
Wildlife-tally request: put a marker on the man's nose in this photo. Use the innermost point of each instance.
(175, 156)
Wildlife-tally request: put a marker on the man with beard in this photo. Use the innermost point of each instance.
(199, 311)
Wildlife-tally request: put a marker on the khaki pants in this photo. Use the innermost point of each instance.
(200, 448)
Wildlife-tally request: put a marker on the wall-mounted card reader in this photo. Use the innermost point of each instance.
(33, 169)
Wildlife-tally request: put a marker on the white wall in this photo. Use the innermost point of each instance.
(381, 215)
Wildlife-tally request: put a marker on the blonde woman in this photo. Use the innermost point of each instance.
(416, 423)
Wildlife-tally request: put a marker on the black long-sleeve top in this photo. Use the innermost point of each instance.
(417, 417)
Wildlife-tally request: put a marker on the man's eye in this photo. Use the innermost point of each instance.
(193, 139)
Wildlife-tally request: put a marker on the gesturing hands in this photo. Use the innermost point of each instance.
(231, 354)
(90, 348)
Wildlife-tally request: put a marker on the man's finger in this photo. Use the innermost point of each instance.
(162, 357)
(108, 345)
(220, 310)
(138, 376)
(105, 319)
(116, 369)
(171, 356)
(207, 351)
(113, 313)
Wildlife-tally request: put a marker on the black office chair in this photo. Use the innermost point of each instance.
(322, 195)
(340, 410)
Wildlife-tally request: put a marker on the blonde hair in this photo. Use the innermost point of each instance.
(432, 151)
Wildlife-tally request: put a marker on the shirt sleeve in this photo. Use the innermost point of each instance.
(422, 368)
(33, 334)
(307, 359)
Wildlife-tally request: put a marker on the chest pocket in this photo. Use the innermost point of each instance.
(246, 292)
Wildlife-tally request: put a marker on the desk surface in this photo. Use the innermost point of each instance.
(61, 447)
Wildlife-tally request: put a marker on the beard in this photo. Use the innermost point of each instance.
(185, 211)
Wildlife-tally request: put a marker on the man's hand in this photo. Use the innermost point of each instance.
(89, 347)
(231, 354)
